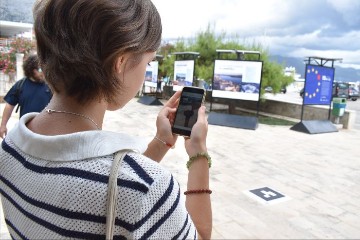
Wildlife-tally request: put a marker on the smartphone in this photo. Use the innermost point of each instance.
(186, 115)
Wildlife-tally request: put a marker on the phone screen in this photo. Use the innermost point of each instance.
(187, 111)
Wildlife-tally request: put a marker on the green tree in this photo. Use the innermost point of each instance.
(166, 65)
(207, 42)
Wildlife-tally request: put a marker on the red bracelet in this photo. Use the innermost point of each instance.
(198, 191)
(165, 143)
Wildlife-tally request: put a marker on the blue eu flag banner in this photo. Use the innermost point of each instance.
(318, 85)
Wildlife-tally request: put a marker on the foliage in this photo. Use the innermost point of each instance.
(273, 75)
(23, 45)
(8, 55)
(8, 61)
(207, 42)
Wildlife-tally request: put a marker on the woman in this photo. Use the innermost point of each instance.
(55, 165)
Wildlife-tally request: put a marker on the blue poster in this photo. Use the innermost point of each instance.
(318, 85)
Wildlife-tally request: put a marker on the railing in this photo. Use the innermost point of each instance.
(6, 82)
(4, 42)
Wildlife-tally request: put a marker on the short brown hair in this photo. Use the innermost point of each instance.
(79, 41)
(30, 64)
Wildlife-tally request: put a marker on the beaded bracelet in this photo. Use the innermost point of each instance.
(201, 154)
(165, 143)
(198, 191)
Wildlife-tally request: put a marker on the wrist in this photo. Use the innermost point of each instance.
(164, 143)
(196, 150)
(156, 150)
(197, 157)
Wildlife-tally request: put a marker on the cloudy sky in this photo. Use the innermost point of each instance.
(296, 28)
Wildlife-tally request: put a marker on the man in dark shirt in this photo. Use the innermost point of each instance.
(31, 93)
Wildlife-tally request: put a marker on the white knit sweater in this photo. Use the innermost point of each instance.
(54, 187)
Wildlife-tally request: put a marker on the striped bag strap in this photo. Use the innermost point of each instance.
(112, 194)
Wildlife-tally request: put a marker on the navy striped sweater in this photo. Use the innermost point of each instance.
(62, 194)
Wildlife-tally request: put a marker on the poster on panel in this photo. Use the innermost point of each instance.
(151, 76)
(318, 85)
(237, 79)
(183, 74)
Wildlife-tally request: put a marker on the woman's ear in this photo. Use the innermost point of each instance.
(119, 64)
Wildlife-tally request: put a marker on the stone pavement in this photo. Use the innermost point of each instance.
(319, 175)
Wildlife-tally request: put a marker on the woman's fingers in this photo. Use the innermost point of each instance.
(173, 101)
(166, 112)
(202, 114)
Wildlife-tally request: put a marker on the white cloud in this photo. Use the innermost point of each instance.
(349, 9)
(298, 28)
(348, 57)
(182, 18)
(185, 18)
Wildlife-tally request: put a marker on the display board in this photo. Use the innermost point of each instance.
(151, 76)
(183, 74)
(237, 79)
(318, 85)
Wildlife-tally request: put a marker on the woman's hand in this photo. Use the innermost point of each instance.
(197, 141)
(3, 132)
(166, 118)
(157, 148)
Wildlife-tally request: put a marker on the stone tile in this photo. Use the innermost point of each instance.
(351, 218)
(348, 231)
(4, 234)
(319, 172)
(232, 230)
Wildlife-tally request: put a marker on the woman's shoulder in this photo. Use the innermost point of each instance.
(146, 178)
(144, 167)
(157, 197)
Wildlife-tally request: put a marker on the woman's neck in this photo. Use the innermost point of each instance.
(65, 115)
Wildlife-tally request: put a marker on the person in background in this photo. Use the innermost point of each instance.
(54, 179)
(31, 93)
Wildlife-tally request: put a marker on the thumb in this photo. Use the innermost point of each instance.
(201, 113)
(166, 111)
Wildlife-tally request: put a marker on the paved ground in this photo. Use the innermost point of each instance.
(319, 175)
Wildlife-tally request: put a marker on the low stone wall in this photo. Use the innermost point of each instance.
(284, 109)
(290, 110)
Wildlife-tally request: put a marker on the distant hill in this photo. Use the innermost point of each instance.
(341, 74)
(16, 10)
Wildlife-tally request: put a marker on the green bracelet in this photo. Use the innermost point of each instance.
(201, 154)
